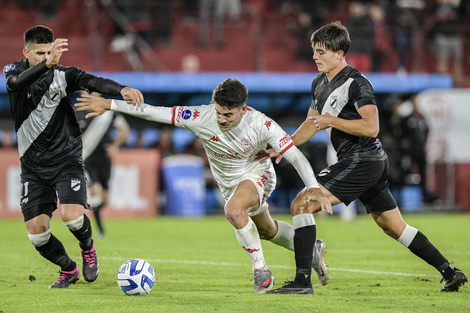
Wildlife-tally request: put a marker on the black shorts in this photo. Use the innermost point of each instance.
(39, 194)
(99, 171)
(367, 181)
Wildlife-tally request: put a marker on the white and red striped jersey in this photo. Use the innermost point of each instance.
(232, 152)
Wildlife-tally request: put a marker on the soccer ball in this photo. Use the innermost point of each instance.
(136, 277)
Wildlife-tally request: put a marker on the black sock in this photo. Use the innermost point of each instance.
(54, 251)
(96, 213)
(84, 234)
(421, 247)
(304, 242)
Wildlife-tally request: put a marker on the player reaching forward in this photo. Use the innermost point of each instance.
(50, 148)
(232, 134)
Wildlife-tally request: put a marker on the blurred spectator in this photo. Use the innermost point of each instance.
(409, 130)
(166, 148)
(409, 17)
(361, 32)
(138, 25)
(165, 144)
(7, 138)
(310, 16)
(47, 9)
(382, 38)
(190, 64)
(219, 9)
(446, 28)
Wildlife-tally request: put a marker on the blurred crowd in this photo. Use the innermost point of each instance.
(400, 36)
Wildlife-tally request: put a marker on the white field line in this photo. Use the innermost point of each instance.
(210, 263)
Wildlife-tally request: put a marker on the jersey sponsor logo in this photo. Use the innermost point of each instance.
(268, 124)
(186, 114)
(214, 139)
(284, 140)
(75, 184)
(246, 145)
(250, 250)
(325, 171)
(196, 114)
(230, 155)
(8, 67)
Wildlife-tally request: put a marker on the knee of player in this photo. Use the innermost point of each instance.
(233, 212)
(297, 206)
(40, 239)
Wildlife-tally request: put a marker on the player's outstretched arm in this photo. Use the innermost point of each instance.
(95, 104)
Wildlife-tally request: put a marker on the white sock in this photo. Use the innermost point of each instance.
(75, 224)
(284, 236)
(248, 237)
(303, 220)
(408, 235)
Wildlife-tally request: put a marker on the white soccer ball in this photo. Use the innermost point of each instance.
(136, 277)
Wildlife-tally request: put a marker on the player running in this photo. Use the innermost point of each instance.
(50, 148)
(232, 134)
(343, 103)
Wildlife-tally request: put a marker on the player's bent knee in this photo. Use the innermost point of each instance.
(40, 239)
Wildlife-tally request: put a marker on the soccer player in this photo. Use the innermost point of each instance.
(99, 145)
(343, 104)
(50, 148)
(232, 133)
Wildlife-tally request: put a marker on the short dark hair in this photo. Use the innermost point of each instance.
(38, 34)
(333, 36)
(230, 93)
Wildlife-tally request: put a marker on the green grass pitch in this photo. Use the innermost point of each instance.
(200, 267)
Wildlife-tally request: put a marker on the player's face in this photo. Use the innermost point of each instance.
(228, 118)
(37, 53)
(327, 61)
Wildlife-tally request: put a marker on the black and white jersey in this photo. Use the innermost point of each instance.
(342, 97)
(97, 132)
(40, 103)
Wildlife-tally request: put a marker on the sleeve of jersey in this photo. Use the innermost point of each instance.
(302, 166)
(282, 143)
(27, 77)
(149, 112)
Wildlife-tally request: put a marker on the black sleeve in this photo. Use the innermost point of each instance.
(26, 77)
(105, 86)
(79, 79)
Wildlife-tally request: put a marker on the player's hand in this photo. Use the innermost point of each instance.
(97, 105)
(267, 154)
(58, 47)
(134, 95)
(322, 121)
(315, 194)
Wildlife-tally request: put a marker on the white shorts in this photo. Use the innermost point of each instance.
(265, 183)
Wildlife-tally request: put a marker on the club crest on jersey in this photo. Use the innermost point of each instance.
(246, 145)
(186, 114)
(75, 184)
(325, 171)
(334, 102)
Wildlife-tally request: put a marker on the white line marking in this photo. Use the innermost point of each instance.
(211, 263)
